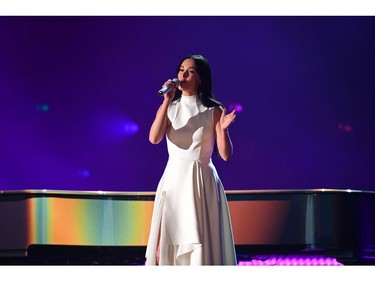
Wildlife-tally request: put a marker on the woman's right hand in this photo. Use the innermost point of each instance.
(170, 95)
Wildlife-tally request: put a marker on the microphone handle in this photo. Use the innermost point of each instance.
(166, 89)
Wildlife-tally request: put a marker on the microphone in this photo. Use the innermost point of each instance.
(166, 89)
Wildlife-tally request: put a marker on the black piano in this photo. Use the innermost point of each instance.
(104, 227)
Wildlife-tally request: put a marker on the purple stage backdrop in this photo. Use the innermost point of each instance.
(78, 95)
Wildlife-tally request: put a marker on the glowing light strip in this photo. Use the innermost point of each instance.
(293, 261)
(71, 221)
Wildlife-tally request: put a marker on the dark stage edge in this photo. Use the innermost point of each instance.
(134, 255)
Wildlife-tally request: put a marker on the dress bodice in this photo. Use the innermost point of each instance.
(191, 136)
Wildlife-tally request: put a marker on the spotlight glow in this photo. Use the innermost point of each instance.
(42, 107)
(130, 128)
(345, 127)
(84, 173)
(236, 106)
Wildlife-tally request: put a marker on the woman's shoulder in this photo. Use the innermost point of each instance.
(218, 108)
(217, 111)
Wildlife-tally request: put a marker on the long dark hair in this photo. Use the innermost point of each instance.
(205, 88)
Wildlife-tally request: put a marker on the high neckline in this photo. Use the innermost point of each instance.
(189, 99)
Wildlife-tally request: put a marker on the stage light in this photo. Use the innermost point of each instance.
(116, 128)
(345, 127)
(84, 173)
(237, 106)
(42, 107)
(130, 128)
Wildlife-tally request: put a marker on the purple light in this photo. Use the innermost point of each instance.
(236, 106)
(84, 173)
(130, 128)
(42, 107)
(345, 127)
(112, 127)
(293, 261)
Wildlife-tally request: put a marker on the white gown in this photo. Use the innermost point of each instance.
(191, 220)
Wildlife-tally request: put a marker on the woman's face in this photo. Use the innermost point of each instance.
(188, 77)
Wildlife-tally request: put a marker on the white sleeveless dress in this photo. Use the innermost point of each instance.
(191, 220)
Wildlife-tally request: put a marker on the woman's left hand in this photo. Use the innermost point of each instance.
(227, 119)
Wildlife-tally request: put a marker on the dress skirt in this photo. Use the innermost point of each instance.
(191, 221)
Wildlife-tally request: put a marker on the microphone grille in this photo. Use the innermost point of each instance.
(176, 81)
